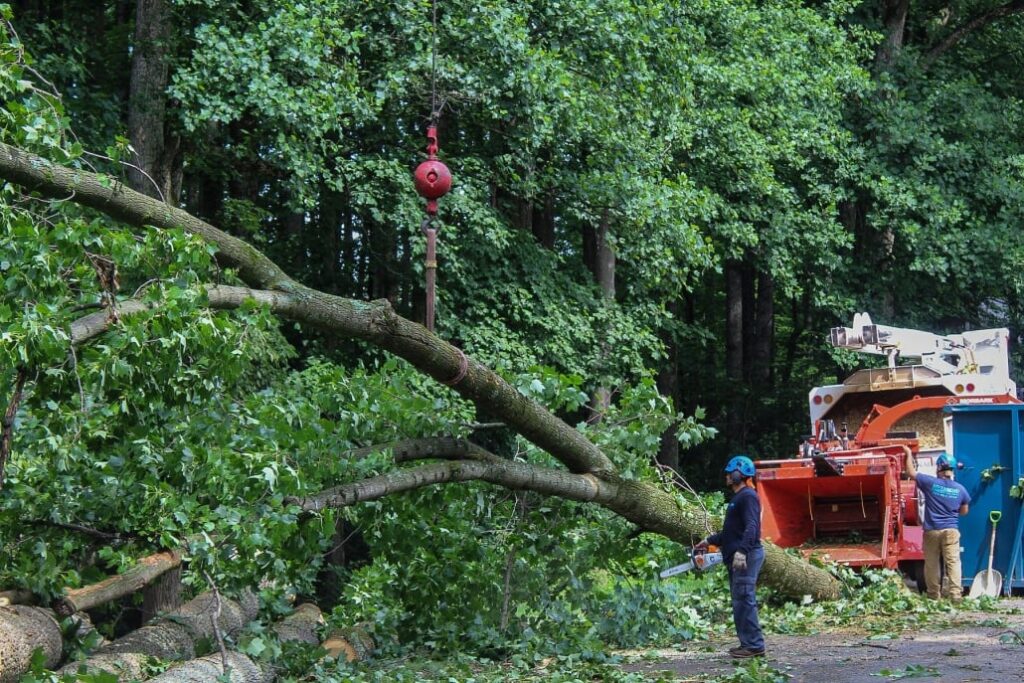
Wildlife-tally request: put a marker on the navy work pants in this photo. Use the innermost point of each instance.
(744, 601)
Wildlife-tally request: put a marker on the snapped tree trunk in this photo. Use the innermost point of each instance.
(172, 638)
(162, 595)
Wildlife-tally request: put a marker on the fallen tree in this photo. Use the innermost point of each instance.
(172, 637)
(589, 476)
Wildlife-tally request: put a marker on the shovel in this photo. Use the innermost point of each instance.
(989, 582)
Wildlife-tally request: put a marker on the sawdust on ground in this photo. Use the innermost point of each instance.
(969, 650)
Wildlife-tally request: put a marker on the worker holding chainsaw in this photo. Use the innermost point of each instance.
(944, 500)
(743, 554)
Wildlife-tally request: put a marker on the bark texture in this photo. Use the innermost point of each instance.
(162, 595)
(22, 630)
(300, 626)
(147, 570)
(171, 638)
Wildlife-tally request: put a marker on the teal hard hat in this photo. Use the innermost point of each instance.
(741, 464)
(945, 462)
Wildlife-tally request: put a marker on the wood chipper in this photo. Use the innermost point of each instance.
(845, 497)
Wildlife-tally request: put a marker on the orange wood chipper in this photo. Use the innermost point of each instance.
(845, 497)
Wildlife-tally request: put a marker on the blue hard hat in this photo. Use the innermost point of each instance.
(945, 462)
(741, 464)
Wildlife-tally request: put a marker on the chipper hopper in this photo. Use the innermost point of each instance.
(848, 506)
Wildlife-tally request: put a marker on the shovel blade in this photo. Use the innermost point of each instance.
(986, 582)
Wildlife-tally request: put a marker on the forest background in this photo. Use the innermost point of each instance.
(659, 210)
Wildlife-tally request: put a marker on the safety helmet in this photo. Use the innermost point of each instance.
(945, 462)
(741, 464)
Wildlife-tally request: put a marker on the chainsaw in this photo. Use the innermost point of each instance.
(701, 559)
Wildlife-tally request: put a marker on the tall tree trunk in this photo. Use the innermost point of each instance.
(800, 312)
(734, 350)
(602, 266)
(733, 321)
(544, 223)
(764, 332)
(329, 238)
(894, 21)
(749, 293)
(156, 153)
(668, 386)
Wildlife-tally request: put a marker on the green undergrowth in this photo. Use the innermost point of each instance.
(876, 601)
(462, 669)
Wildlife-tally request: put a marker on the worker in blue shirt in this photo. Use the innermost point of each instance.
(743, 554)
(944, 501)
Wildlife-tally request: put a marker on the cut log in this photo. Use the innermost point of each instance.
(300, 626)
(172, 637)
(354, 644)
(23, 630)
(147, 570)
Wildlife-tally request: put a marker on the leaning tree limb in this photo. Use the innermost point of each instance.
(145, 571)
(646, 505)
(975, 23)
(377, 323)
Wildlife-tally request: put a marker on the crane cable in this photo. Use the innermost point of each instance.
(432, 180)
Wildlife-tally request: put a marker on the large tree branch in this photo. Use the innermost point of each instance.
(970, 26)
(115, 199)
(441, 447)
(646, 505)
(376, 322)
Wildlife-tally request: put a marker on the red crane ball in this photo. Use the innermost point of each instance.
(433, 179)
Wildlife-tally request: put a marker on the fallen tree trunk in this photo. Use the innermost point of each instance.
(144, 572)
(299, 626)
(24, 629)
(172, 637)
(651, 508)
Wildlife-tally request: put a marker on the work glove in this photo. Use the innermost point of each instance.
(703, 545)
(739, 561)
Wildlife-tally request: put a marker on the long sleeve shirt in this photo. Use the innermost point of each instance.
(742, 528)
